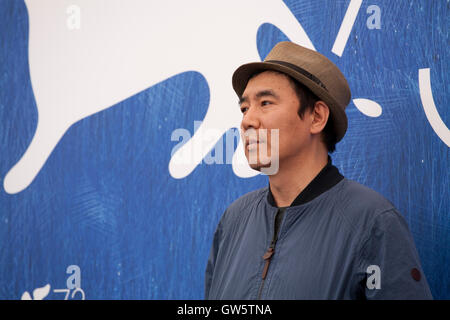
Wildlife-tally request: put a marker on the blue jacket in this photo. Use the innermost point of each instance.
(347, 243)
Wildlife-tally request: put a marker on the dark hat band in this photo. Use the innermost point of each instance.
(299, 70)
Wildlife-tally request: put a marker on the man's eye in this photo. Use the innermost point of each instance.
(265, 103)
(243, 109)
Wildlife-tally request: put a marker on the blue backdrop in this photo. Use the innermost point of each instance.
(105, 201)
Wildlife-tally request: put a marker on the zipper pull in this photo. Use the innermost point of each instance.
(267, 257)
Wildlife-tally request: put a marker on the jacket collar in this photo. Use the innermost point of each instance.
(327, 178)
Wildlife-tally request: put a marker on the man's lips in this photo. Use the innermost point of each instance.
(251, 143)
(253, 138)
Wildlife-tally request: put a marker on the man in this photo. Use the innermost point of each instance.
(311, 234)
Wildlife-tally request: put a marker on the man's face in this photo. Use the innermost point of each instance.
(270, 102)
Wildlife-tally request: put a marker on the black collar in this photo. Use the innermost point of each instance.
(327, 178)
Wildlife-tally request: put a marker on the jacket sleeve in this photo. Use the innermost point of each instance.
(390, 262)
(209, 274)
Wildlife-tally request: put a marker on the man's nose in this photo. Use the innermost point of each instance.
(250, 119)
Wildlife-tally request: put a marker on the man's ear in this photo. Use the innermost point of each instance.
(320, 115)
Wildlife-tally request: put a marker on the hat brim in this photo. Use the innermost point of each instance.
(244, 73)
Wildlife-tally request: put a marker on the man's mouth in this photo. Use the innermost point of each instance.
(252, 144)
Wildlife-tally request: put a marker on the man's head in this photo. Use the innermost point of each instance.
(310, 68)
(307, 101)
(316, 89)
(272, 100)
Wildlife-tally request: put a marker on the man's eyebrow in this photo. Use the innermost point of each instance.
(265, 93)
(242, 100)
(260, 94)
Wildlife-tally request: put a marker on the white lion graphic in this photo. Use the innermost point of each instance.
(123, 47)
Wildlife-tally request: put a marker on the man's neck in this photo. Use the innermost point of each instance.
(294, 176)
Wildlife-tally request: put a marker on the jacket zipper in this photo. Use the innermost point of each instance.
(271, 250)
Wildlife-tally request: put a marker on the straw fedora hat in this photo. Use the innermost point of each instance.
(310, 68)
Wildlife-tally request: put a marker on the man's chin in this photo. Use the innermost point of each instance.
(258, 166)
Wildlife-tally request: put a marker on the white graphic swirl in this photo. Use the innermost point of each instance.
(429, 107)
(38, 293)
(368, 107)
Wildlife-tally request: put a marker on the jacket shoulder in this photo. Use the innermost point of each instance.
(360, 205)
(244, 204)
(248, 199)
